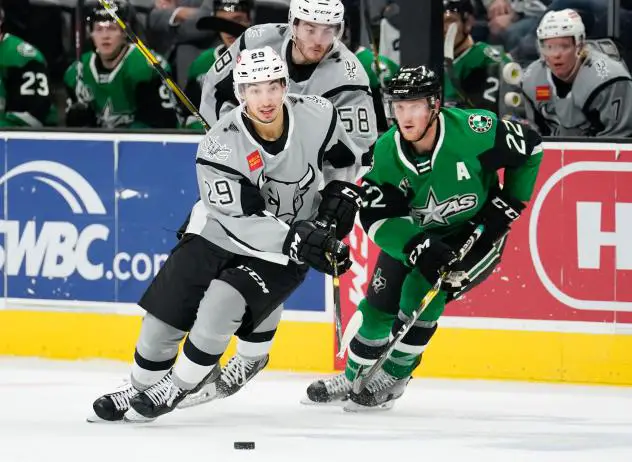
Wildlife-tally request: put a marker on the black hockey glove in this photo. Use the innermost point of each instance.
(80, 115)
(497, 215)
(340, 203)
(430, 255)
(305, 243)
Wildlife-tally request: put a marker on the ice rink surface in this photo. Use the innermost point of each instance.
(44, 405)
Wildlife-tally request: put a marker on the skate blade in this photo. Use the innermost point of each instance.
(336, 403)
(98, 420)
(131, 416)
(206, 394)
(355, 407)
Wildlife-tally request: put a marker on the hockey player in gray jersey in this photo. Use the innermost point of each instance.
(250, 240)
(574, 90)
(318, 64)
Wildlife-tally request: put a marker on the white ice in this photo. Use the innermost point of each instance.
(44, 404)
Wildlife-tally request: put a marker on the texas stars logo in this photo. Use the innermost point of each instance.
(438, 212)
(480, 123)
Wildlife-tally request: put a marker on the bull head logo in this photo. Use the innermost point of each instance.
(285, 199)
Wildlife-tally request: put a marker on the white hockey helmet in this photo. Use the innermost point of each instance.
(258, 65)
(330, 12)
(564, 23)
(317, 11)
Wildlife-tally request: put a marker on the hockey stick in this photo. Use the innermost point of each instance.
(336, 287)
(362, 379)
(374, 45)
(448, 60)
(155, 63)
(343, 339)
(79, 29)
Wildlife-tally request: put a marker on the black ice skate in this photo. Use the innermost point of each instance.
(334, 390)
(237, 373)
(379, 394)
(206, 391)
(159, 399)
(113, 406)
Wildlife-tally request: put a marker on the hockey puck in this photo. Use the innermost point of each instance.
(244, 444)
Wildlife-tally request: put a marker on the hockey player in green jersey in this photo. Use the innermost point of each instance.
(377, 79)
(25, 99)
(386, 72)
(434, 180)
(475, 77)
(115, 86)
(238, 11)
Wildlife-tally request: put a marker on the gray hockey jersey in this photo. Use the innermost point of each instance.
(339, 77)
(249, 197)
(598, 104)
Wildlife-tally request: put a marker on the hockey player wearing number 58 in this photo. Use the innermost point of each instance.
(574, 90)
(250, 240)
(434, 180)
(318, 64)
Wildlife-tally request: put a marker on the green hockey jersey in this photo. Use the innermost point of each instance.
(388, 68)
(25, 98)
(195, 81)
(408, 193)
(131, 95)
(478, 72)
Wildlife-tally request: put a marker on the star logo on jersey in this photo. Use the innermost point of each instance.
(492, 53)
(438, 212)
(26, 50)
(480, 123)
(379, 282)
(109, 118)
